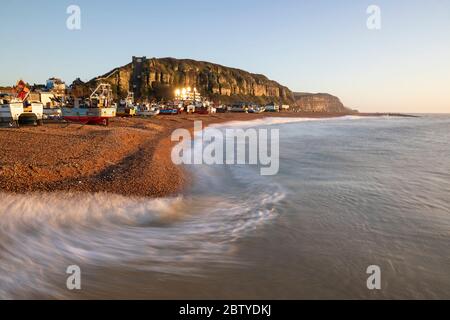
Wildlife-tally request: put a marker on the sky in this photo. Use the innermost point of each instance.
(307, 45)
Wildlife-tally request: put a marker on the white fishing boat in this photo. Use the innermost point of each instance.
(98, 109)
(52, 105)
(126, 106)
(33, 113)
(240, 107)
(18, 109)
(54, 113)
(10, 110)
(272, 107)
(190, 109)
(256, 109)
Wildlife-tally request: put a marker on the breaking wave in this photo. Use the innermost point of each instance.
(42, 234)
(281, 120)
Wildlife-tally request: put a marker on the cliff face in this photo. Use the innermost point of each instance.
(158, 79)
(320, 102)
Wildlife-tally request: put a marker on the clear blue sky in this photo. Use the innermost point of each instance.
(312, 46)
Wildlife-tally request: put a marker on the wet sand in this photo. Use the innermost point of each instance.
(130, 157)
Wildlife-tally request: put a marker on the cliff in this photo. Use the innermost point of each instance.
(158, 78)
(320, 102)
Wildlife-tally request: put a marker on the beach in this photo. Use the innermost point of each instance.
(130, 157)
(351, 192)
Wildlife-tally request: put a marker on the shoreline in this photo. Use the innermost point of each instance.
(131, 157)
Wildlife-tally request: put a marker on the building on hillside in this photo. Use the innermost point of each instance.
(55, 84)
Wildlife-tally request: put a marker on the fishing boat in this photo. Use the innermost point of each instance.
(52, 105)
(194, 107)
(272, 107)
(10, 110)
(169, 111)
(221, 108)
(190, 109)
(172, 108)
(126, 106)
(17, 109)
(240, 107)
(205, 109)
(98, 109)
(146, 110)
(33, 113)
(53, 113)
(256, 109)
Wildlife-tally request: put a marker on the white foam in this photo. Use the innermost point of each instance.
(42, 234)
(280, 120)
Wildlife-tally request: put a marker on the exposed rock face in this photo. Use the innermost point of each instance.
(158, 78)
(320, 102)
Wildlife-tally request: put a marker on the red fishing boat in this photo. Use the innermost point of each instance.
(98, 109)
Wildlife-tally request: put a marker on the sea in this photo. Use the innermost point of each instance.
(352, 194)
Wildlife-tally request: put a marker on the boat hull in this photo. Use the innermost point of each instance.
(147, 113)
(10, 112)
(88, 120)
(52, 114)
(169, 112)
(127, 112)
(89, 115)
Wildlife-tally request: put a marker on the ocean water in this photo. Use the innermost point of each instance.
(351, 192)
